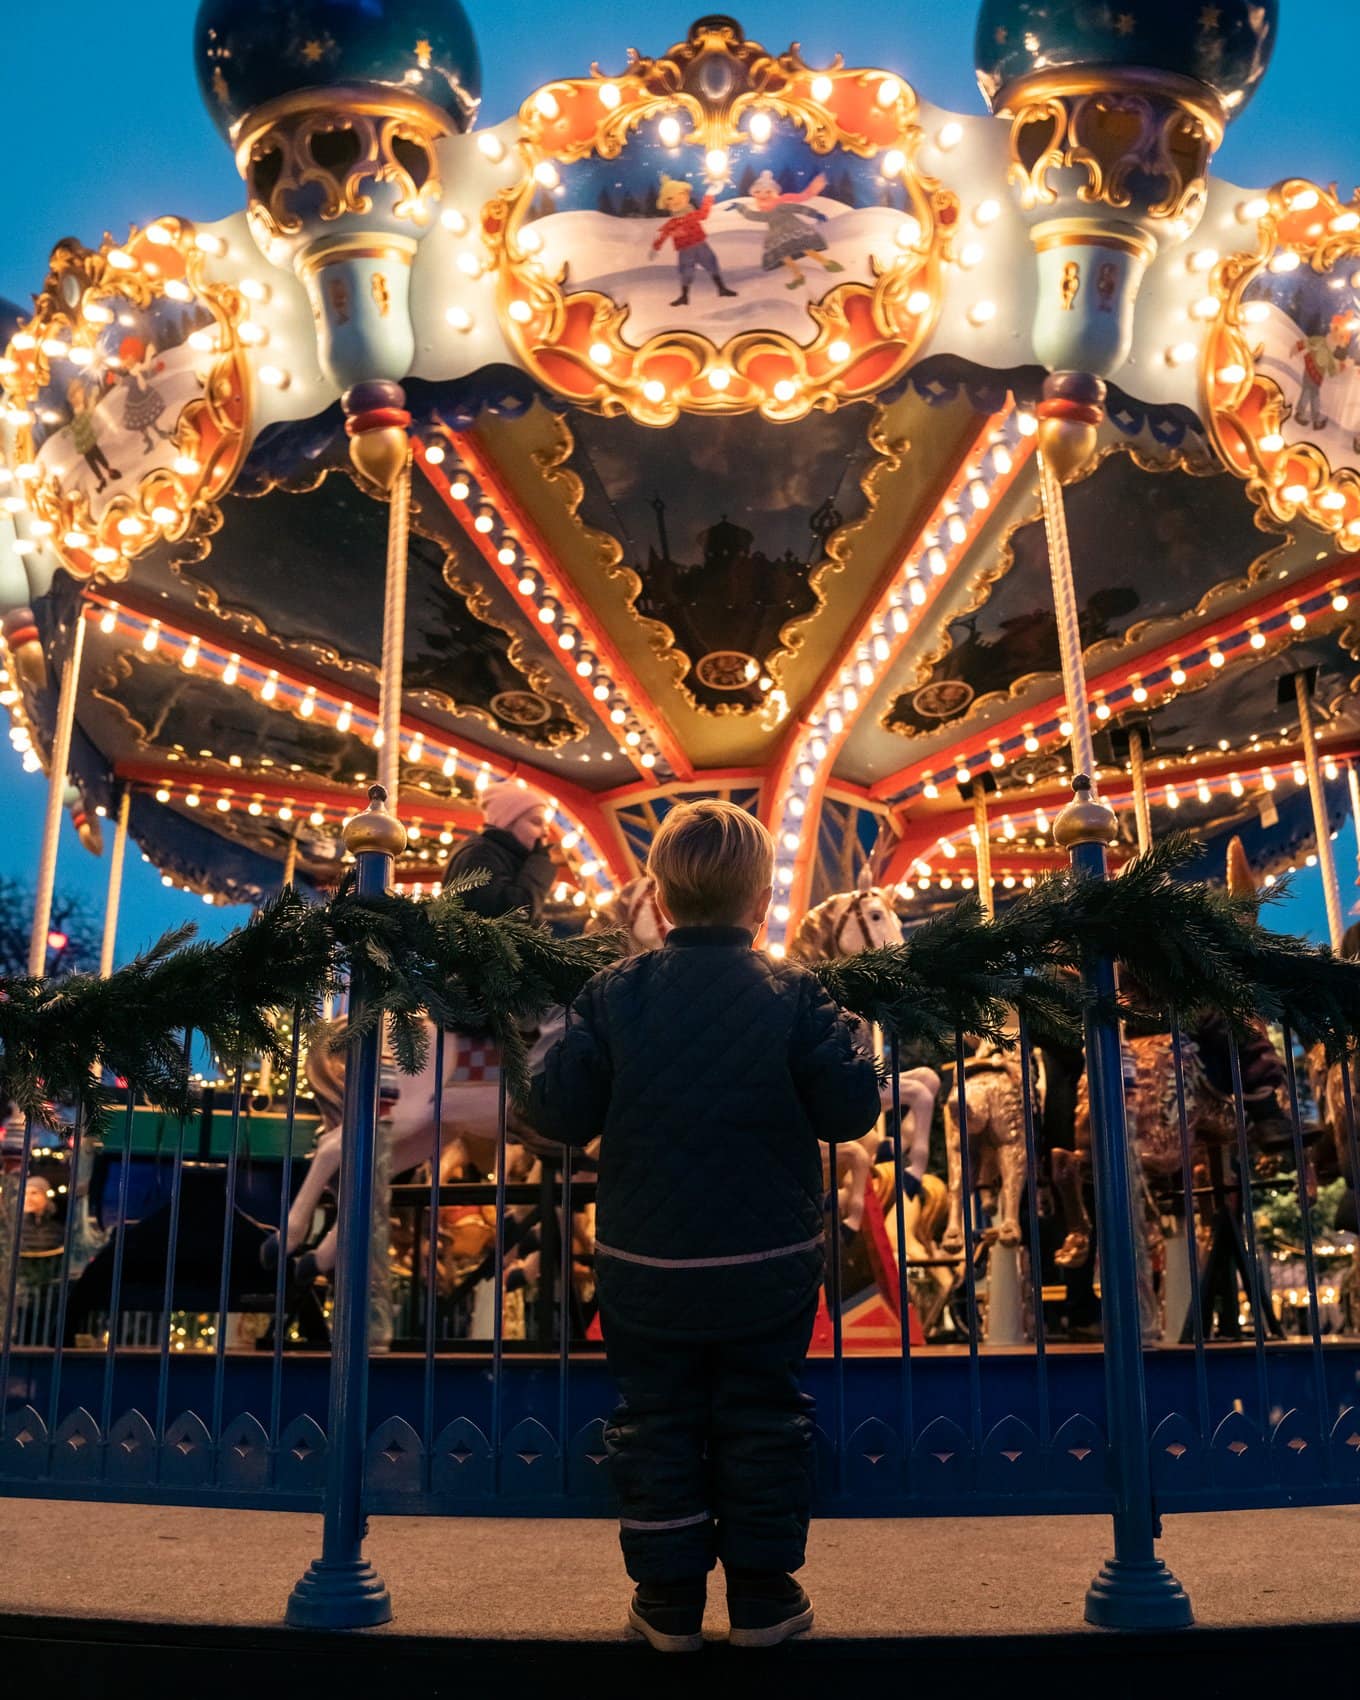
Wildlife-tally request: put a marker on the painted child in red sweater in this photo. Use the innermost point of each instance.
(685, 228)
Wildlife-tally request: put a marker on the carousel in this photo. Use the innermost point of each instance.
(714, 425)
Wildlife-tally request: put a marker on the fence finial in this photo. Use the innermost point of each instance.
(375, 828)
(1085, 820)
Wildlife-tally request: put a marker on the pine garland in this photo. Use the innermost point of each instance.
(1184, 944)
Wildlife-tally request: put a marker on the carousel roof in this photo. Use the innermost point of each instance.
(784, 544)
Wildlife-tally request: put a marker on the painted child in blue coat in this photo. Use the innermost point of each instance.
(710, 1072)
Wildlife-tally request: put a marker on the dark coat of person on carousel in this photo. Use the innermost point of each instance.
(513, 849)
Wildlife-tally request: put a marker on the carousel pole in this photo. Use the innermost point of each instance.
(56, 793)
(115, 893)
(1317, 791)
(982, 845)
(1142, 814)
(1353, 782)
(341, 1589)
(1134, 1589)
(290, 860)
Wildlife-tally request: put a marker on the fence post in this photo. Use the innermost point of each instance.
(1134, 1589)
(341, 1589)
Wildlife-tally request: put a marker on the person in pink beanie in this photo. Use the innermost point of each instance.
(512, 848)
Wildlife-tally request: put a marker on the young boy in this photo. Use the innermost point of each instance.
(712, 1072)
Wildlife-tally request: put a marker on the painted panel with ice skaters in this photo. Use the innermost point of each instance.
(132, 387)
(1282, 365)
(720, 230)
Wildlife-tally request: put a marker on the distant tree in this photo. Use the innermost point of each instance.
(72, 921)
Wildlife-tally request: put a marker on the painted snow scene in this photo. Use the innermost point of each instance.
(1305, 328)
(108, 417)
(721, 241)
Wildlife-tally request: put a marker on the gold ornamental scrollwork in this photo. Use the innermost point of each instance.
(128, 391)
(1136, 138)
(344, 150)
(1281, 365)
(729, 99)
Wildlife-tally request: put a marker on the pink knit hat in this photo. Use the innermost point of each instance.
(509, 802)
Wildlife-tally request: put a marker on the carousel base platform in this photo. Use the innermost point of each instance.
(100, 1600)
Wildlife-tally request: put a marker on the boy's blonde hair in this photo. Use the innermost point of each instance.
(674, 193)
(711, 861)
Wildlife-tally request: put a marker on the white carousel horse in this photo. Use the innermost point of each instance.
(847, 924)
(470, 1099)
(994, 1102)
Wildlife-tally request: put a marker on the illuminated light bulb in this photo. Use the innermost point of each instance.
(930, 789)
(110, 619)
(899, 619)
(1203, 792)
(601, 353)
(822, 88)
(1173, 800)
(131, 526)
(972, 255)
(203, 341)
(632, 739)
(377, 738)
(889, 89)
(1298, 620)
(1285, 261)
(602, 691)
(450, 767)
(164, 515)
(839, 351)
(882, 649)
(1001, 459)
(255, 808)
(1255, 312)
(1139, 692)
(224, 804)
(1329, 769)
(818, 746)
(76, 539)
(1205, 308)
(850, 699)
(654, 391)
(24, 340)
(1031, 743)
(1267, 779)
(1216, 658)
(162, 794)
(547, 614)
(485, 521)
(982, 313)
(894, 163)
(434, 454)
(178, 290)
(1026, 423)
(760, 127)
(345, 719)
(252, 334)
(1235, 785)
(957, 529)
(1181, 352)
(1102, 710)
(1341, 602)
(307, 707)
(918, 302)
(459, 318)
(1257, 640)
(1332, 499)
(1178, 674)
(610, 95)
(785, 389)
(520, 311)
(469, 264)
(721, 376)
(491, 147)
(121, 260)
(998, 760)
(527, 585)
(715, 162)
(270, 688)
(186, 465)
(1295, 492)
(835, 721)
(1304, 200)
(506, 555)
(45, 527)
(949, 136)
(962, 775)
(460, 489)
(987, 212)
(937, 560)
(566, 640)
(668, 131)
(917, 591)
(189, 660)
(979, 495)
(152, 637)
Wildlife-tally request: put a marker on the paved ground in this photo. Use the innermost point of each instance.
(517, 1580)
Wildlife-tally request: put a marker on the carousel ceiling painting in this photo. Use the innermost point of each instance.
(711, 424)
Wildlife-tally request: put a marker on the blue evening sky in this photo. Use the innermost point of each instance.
(101, 126)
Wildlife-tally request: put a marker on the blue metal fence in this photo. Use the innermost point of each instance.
(123, 1380)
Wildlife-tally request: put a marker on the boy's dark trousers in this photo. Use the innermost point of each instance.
(711, 1450)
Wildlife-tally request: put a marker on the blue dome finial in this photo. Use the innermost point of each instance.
(250, 52)
(1225, 46)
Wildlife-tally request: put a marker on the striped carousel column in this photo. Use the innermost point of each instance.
(56, 796)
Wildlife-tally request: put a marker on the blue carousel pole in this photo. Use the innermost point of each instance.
(341, 1589)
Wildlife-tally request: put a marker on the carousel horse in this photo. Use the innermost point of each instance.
(994, 1103)
(469, 1101)
(1328, 1084)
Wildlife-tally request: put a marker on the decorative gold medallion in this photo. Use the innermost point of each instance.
(128, 391)
(719, 230)
(1282, 362)
(727, 670)
(521, 708)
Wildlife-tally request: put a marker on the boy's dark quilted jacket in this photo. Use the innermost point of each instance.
(711, 1072)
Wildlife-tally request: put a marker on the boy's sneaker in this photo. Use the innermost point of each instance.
(765, 1608)
(670, 1614)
